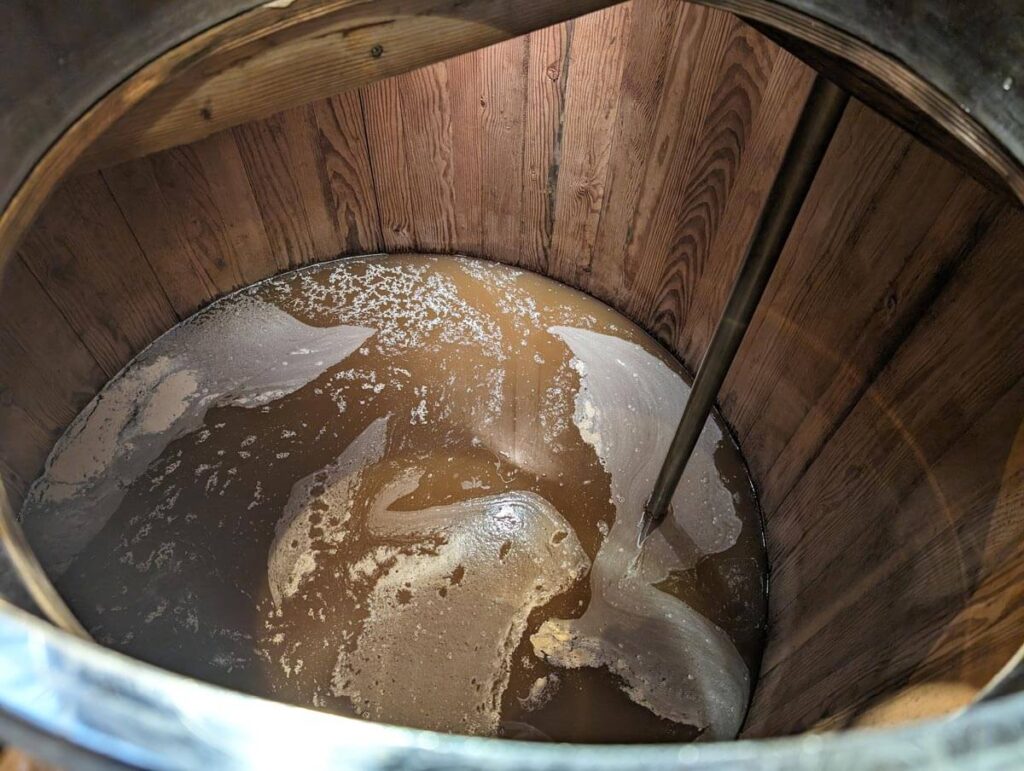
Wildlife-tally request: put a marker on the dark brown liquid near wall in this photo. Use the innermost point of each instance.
(404, 488)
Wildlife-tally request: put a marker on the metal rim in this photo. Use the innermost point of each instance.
(901, 79)
(111, 710)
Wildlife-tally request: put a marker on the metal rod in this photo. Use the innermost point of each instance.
(814, 130)
(31, 573)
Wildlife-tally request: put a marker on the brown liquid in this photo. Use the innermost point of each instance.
(403, 488)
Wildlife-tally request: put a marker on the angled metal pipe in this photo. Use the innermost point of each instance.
(807, 146)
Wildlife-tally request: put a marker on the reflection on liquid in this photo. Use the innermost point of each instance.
(408, 488)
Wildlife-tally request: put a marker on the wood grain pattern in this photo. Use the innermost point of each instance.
(89, 263)
(429, 165)
(464, 74)
(591, 107)
(285, 169)
(683, 103)
(502, 136)
(425, 31)
(309, 50)
(630, 154)
(383, 105)
(681, 226)
(960, 629)
(546, 75)
(180, 267)
(46, 376)
(194, 215)
(889, 249)
(656, 35)
(26, 445)
(864, 68)
(910, 486)
(347, 168)
(784, 96)
(64, 374)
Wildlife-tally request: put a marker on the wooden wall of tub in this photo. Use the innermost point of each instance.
(877, 398)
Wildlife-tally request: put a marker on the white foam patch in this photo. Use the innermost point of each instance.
(672, 660)
(542, 690)
(411, 305)
(442, 627)
(243, 352)
(326, 495)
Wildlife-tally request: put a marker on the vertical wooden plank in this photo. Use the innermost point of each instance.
(906, 501)
(502, 133)
(654, 34)
(591, 102)
(46, 376)
(26, 445)
(464, 95)
(385, 133)
(207, 180)
(783, 99)
(427, 116)
(85, 256)
(46, 368)
(182, 271)
(809, 358)
(193, 212)
(698, 48)
(950, 588)
(677, 231)
(346, 160)
(283, 163)
(963, 631)
(546, 76)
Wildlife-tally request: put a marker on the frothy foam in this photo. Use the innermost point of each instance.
(673, 660)
(443, 628)
(244, 352)
(322, 501)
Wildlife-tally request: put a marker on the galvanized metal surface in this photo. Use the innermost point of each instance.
(112, 710)
(972, 51)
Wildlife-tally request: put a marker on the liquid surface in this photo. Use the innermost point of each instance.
(409, 489)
